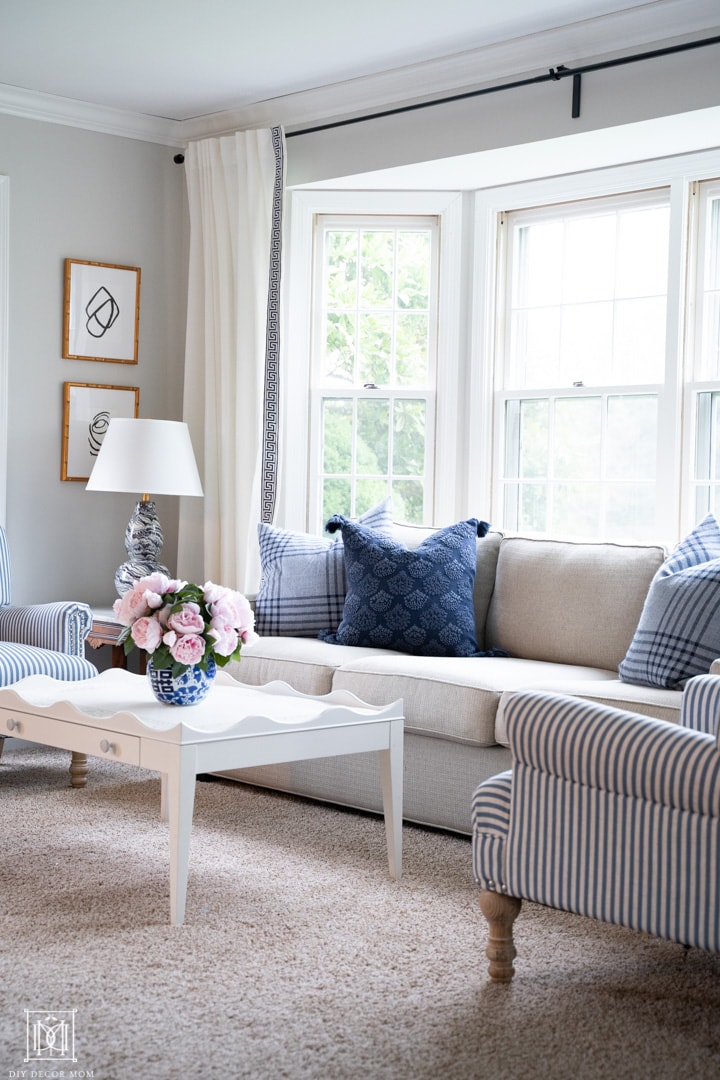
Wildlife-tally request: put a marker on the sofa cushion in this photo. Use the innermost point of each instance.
(678, 635)
(416, 601)
(568, 602)
(302, 587)
(306, 664)
(449, 697)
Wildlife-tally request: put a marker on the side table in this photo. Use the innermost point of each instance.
(106, 630)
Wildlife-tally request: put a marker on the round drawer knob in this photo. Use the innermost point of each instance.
(106, 747)
(13, 725)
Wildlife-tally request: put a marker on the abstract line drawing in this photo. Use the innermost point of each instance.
(97, 430)
(101, 314)
(88, 409)
(102, 310)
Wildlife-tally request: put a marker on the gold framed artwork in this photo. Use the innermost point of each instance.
(87, 412)
(101, 312)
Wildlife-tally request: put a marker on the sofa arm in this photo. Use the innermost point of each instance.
(613, 751)
(62, 626)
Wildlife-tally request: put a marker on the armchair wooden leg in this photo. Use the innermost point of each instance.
(500, 911)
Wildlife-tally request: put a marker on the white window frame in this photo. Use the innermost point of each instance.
(305, 205)
(485, 439)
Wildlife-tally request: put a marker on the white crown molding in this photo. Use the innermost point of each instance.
(51, 109)
(649, 25)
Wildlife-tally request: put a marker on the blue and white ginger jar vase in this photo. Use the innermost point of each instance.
(187, 689)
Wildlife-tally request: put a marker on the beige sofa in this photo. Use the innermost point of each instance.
(565, 612)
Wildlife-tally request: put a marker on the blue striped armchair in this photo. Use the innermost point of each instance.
(41, 639)
(604, 813)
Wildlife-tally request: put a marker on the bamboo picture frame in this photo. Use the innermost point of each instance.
(101, 312)
(87, 411)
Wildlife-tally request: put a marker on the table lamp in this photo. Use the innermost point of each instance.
(147, 456)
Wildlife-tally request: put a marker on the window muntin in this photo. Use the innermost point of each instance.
(374, 372)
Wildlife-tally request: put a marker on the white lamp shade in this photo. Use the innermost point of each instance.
(152, 457)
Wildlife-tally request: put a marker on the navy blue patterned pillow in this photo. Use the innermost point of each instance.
(678, 635)
(416, 601)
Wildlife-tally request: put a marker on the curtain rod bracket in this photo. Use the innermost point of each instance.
(577, 86)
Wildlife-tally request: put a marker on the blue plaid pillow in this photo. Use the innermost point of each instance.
(302, 587)
(416, 601)
(678, 635)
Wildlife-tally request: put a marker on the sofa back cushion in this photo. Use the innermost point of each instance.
(487, 555)
(567, 602)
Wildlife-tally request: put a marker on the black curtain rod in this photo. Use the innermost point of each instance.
(553, 74)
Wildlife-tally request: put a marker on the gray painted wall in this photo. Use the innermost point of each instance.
(77, 194)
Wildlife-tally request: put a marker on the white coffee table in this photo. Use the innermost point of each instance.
(116, 716)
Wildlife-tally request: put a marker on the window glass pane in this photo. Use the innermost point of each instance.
(532, 439)
(377, 266)
(631, 511)
(336, 497)
(413, 270)
(411, 349)
(408, 501)
(368, 493)
(589, 259)
(642, 252)
(339, 354)
(375, 346)
(532, 515)
(576, 509)
(631, 438)
(337, 435)
(409, 438)
(538, 265)
(341, 269)
(373, 436)
(586, 344)
(639, 344)
(576, 441)
(535, 348)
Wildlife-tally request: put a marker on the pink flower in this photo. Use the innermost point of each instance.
(131, 606)
(225, 637)
(188, 649)
(187, 621)
(249, 637)
(146, 633)
(228, 606)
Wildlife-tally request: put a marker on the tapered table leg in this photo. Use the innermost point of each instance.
(78, 769)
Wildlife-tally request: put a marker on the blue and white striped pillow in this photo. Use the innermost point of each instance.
(302, 588)
(678, 635)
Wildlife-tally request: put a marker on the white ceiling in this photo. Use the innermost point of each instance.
(180, 59)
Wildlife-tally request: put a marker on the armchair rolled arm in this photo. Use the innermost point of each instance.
(610, 750)
(701, 703)
(62, 625)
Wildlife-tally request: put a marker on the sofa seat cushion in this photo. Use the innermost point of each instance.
(448, 697)
(649, 701)
(305, 664)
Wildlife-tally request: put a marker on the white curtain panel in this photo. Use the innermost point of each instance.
(231, 394)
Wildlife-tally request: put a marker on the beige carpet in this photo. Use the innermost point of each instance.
(299, 957)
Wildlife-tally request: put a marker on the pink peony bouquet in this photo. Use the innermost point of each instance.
(182, 625)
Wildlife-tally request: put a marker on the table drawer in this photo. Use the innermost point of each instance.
(67, 736)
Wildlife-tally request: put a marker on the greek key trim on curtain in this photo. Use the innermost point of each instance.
(271, 404)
